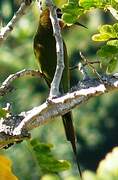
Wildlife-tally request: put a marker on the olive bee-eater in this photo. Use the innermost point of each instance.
(45, 52)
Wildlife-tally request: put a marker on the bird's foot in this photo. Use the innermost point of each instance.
(51, 97)
(49, 101)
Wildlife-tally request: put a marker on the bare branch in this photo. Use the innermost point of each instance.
(54, 90)
(16, 127)
(84, 64)
(5, 31)
(6, 85)
(91, 66)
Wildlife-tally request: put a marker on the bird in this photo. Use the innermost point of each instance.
(44, 46)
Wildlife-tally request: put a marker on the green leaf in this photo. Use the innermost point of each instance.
(71, 12)
(87, 4)
(71, 8)
(113, 43)
(107, 29)
(46, 161)
(59, 3)
(107, 51)
(106, 32)
(75, 8)
(68, 18)
(100, 37)
(108, 56)
(112, 65)
(115, 26)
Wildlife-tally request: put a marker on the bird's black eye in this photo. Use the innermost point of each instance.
(59, 13)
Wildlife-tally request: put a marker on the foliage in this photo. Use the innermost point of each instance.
(74, 8)
(108, 53)
(107, 169)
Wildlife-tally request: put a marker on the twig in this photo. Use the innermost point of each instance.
(6, 85)
(84, 64)
(54, 90)
(5, 31)
(91, 66)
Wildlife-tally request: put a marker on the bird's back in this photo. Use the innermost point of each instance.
(45, 51)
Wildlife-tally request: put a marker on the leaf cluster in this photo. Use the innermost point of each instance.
(108, 53)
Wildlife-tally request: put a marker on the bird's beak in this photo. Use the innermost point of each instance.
(59, 15)
(79, 24)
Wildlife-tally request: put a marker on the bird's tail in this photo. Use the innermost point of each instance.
(70, 135)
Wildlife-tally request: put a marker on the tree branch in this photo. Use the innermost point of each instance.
(54, 90)
(16, 127)
(6, 85)
(5, 31)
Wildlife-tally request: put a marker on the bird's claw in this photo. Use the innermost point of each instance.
(49, 100)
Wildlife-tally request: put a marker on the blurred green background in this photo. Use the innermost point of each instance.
(96, 122)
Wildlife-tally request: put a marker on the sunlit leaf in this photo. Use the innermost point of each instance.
(113, 43)
(88, 3)
(106, 32)
(107, 29)
(59, 3)
(100, 37)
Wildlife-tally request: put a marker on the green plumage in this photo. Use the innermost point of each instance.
(45, 52)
